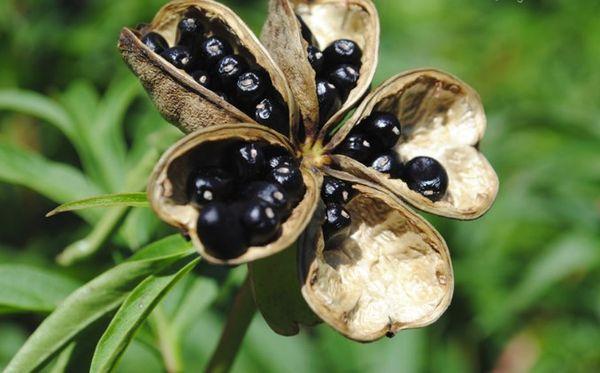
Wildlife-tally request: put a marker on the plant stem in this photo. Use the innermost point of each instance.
(235, 329)
(167, 343)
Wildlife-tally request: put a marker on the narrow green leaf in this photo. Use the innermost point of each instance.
(276, 290)
(29, 289)
(138, 199)
(94, 300)
(134, 311)
(56, 181)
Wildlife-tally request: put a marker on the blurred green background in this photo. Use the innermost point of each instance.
(527, 291)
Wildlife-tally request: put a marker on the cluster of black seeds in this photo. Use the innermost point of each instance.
(337, 68)
(336, 193)
(214, 64)
(245, 201)
(371, 143)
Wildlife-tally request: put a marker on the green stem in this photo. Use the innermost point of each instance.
(237, 324)
(167, 342)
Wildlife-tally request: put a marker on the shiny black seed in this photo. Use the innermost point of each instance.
(155, 42)
(261, 223)
(272, 113)
(306, 33)
(281, 160)
(342, 51)
(248, 161)
(384, 127)
(426, 176)
(357, 145)
(202, 78)
(220, 230)
(179, 56)
(271, 193)
(229, 69)
(213, 49)
(344, 77)
(210, 184)
(315, 57)
(337, 220)
(388, 163)
(336, 190)
(190, 31)
(290, 179)
(250, 86)
(329, 100)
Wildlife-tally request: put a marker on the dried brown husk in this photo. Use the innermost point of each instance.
(180, 99)
(167, 186)
(393, 272)
(328, 20)
(442, 118)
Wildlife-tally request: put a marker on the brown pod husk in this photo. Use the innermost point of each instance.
(441, 117)
(167, 186)
(180, 99)
(392, 272)
(328, 20)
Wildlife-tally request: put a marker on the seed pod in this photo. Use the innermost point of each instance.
(181, 100)
(167, 186)
(392, 272)
(442, 118)
(328, 20)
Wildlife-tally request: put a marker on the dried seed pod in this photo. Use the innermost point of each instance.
(392, 272)
(179, 98)
(167, 190)
(328, 20)
(442, 118)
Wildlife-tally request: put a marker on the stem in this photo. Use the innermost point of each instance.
(167, 343)
(237, 324)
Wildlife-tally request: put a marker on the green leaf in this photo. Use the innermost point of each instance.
(56, 181)
(277, 293)
(134, 311)
(94, 300)
(138, 199)
(29, 289)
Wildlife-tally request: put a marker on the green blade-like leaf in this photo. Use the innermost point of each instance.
(56, 181)
(94, 300)
(107, 200)
(276, 290)
(134, 311)
(39, 106)
(29, 289)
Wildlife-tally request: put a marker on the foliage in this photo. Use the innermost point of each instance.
(75, 124)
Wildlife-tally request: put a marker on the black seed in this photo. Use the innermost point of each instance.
(229, 69)
(272, 194)
(155, 42)
(384, 127)
(426, 176)
(282, 160)
(202, 78)
(315, 57)
(223, 95)
(306, 33)
(250, 86)
(290, 179)
(337, 220)
(344, 77)
(272, 113)
(248, 161)
(190, 31)
(388, 163)
(179, 56)
(358, 146)
(329, 100)
(261, 223)
(342, 51)
(211, 184)
(336, 191)
(213, 49)
(220, 230)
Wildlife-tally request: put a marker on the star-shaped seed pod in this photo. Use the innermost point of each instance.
(270, 176)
